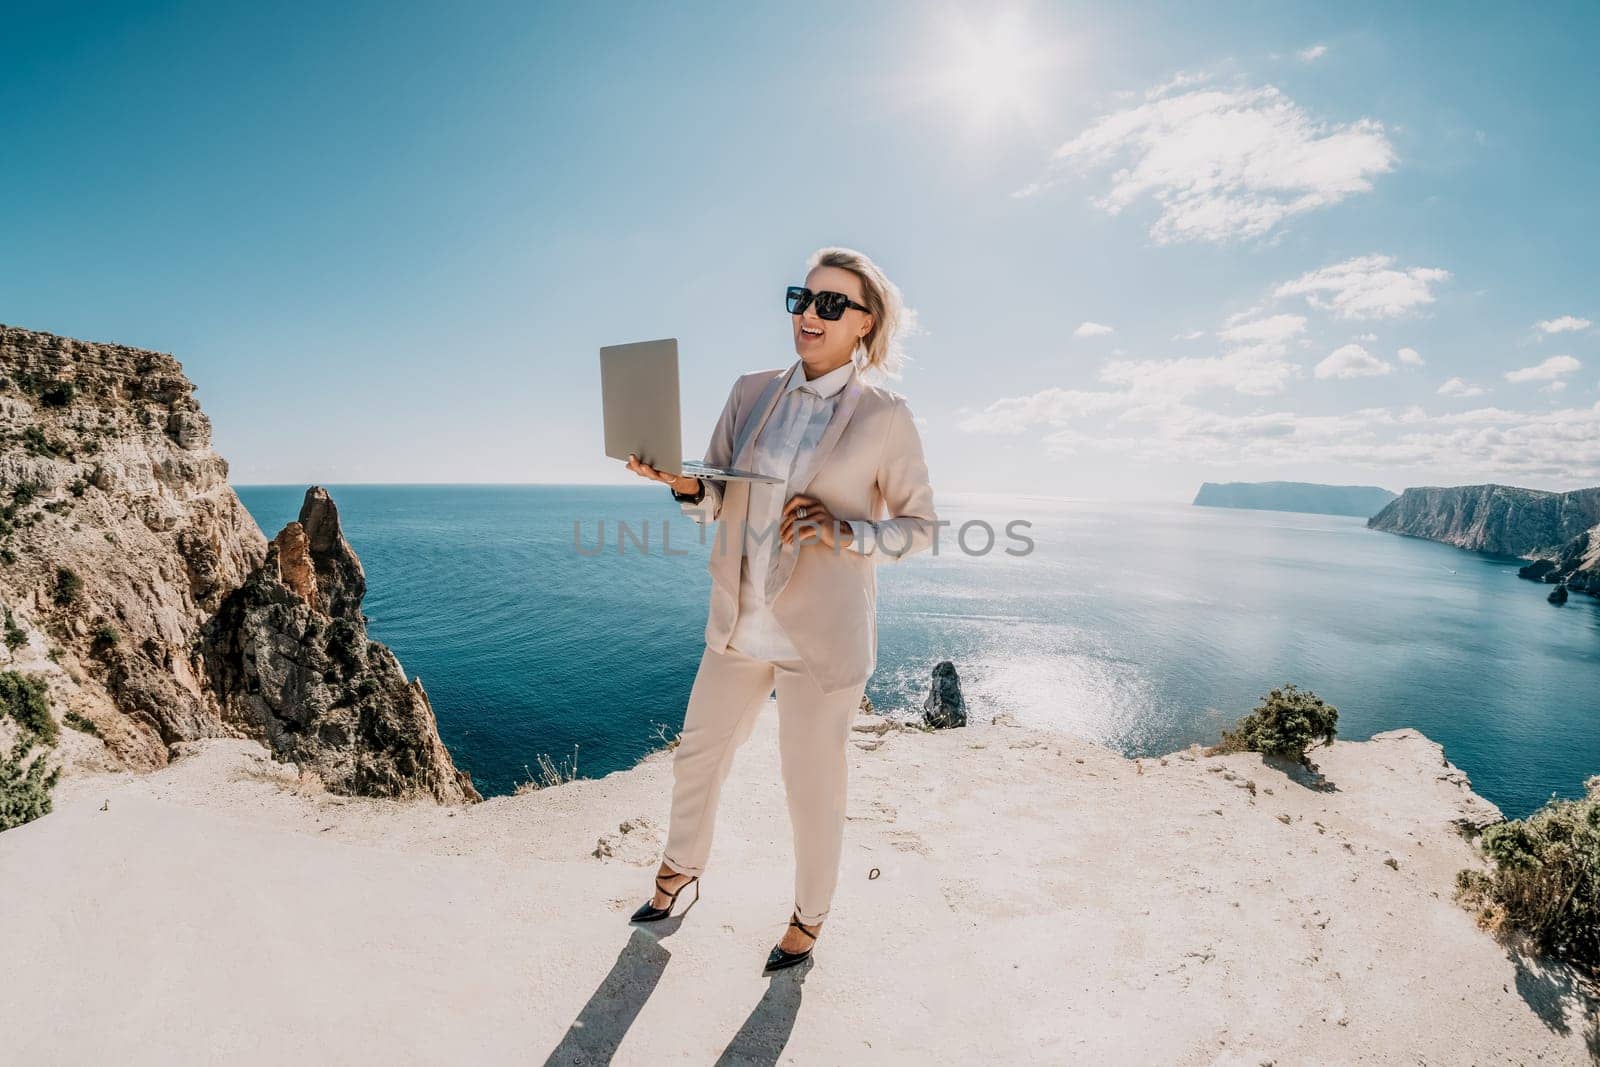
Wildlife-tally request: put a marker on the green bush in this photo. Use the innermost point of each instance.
(16, 637)
(1287, 723)
(68, 587)
(81, 723)
(22, 495)
(103, 639)
(344, 643)
(34, 440)
(27, 700)
(24, 787)
(1545, 882)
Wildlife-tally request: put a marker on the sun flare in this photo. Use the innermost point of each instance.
(993, 70)
(989, 70)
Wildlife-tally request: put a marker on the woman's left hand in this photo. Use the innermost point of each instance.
(817, 527)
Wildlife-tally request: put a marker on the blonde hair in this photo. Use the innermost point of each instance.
(880, 350)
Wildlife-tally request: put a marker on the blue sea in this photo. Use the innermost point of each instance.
(1142, 627)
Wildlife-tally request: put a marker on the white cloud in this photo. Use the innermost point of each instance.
(1561, 445)
(1410, 357)
(1251, 362)
(1549, 370)
(1367, 287)
(1315, 52)
(1223, 164)
(1458, 388)
(1181, 80)
(1192, 335)
(1274, 330)
(1012, 415)
(1352, 361)
(1092, 329)
(1564, 324)
(1244, 371)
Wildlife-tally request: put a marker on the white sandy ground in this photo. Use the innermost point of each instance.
(1040, 901)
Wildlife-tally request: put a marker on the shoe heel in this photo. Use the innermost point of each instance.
(649, 913)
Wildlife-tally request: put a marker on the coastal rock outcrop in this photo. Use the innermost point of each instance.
(1578, 563)
(944, 707)
(290, 659)
(121, 541)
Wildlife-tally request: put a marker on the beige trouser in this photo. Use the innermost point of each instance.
(813, 731)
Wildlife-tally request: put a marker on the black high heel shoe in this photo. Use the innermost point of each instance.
(779, 958)
(649, 913)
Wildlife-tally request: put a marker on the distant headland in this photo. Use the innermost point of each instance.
(1358, 500)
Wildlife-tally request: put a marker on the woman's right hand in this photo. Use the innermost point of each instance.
(682, 485)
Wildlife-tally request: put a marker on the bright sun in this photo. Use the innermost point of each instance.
(989, 68)
(988, 72)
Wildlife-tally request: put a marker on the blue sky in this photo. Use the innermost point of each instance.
(1146, 247)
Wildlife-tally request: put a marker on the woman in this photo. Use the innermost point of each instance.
(793, 591)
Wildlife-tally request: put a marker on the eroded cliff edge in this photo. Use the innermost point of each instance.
(1561, 530)
(139, 588)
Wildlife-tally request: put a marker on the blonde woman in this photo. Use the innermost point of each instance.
(794, 589)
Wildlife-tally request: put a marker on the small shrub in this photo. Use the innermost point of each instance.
(549, 774)
(81, 723)
(79, 486)
(103, 639)
(366, 687)
(1545, 881)
(21, 496)
(24, 786)
(343, 643)
(68, 587)
(57, 394)
(16, 637)
(26, 699)
(34, 440)
(7, 556)
(1287, 723)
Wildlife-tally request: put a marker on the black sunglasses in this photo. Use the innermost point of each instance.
(830, 306)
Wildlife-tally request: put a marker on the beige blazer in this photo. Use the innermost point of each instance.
(868, 465)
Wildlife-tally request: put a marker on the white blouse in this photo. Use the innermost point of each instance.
(798, 422)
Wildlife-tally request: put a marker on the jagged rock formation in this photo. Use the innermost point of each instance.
(1578, 563)
(121, 541)
(1500, 519)
(945, 707)
(1358, 500)
(289, 655)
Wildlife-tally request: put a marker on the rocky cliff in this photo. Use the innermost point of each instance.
(1500, 519)
(139, 588)
(1576, 567)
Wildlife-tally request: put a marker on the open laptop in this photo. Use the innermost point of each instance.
(639, 391)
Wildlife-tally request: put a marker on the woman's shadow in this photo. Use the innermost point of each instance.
(597, 1032)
